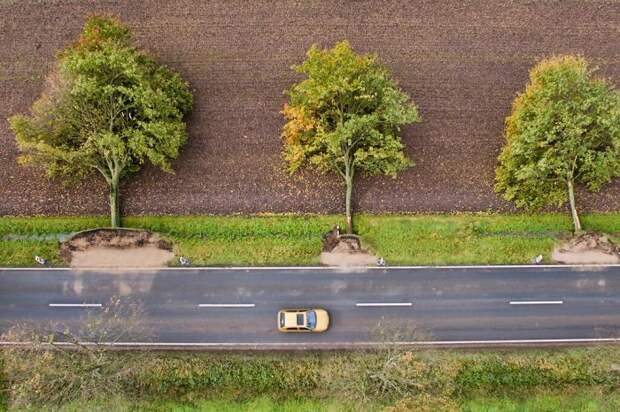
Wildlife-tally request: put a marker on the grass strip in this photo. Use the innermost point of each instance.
(576, 400)
(296, 239)
(521, 379)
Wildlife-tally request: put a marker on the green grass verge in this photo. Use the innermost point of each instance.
(461, 239)
(295, 239)
(38, 225)
(584, 400)
(21, 252)
(260, 404)
(4, 389)
(519, 380)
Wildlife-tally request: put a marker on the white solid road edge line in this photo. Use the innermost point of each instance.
(300, 268)
(329, 344)
(383, 304)
(226, 305)
(536, 302)
(75, 305)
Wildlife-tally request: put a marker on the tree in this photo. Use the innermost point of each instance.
(564, 130)
(346, 115)
(108, 108)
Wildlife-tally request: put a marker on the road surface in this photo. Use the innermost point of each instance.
(236, 307)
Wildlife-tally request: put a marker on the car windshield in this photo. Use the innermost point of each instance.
(311, 316)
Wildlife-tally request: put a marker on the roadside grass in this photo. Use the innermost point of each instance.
(249, 252)
(580, 400)
(4, 389)
(487, 380)
(40, 225)
(20, 253)
(259, 404)
(296, 239)
(461, 239)
(277, 240)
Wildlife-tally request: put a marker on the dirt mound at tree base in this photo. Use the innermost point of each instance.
(116, 248)
(587, 248)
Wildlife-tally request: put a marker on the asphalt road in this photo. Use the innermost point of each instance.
(237, 307)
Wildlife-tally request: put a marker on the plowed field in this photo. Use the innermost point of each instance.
(462, 62)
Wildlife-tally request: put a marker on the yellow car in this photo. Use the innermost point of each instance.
(303, 320)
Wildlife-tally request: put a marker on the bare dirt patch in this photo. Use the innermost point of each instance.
(347, 252)
(348, 259)
(116, 248)
(588, 248)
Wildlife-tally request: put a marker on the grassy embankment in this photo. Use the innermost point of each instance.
(295, 240)
(579, 401)
(582, 379)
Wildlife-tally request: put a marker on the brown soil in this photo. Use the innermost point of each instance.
(116, 248)
(462, 62)
(588, 248)
(347, 254)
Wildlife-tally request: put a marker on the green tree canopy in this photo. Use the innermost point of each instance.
(564, 130)
(345, 116)
(107, 107)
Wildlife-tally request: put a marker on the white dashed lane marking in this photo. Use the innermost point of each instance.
(75, 305)
(226, 305)
(386, 304)
(536, 302)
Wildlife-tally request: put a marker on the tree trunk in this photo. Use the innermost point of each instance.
(348, 206)
(349, 183)
(115, 216)
(573, 209)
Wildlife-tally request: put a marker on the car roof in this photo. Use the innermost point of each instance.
(294, 319)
